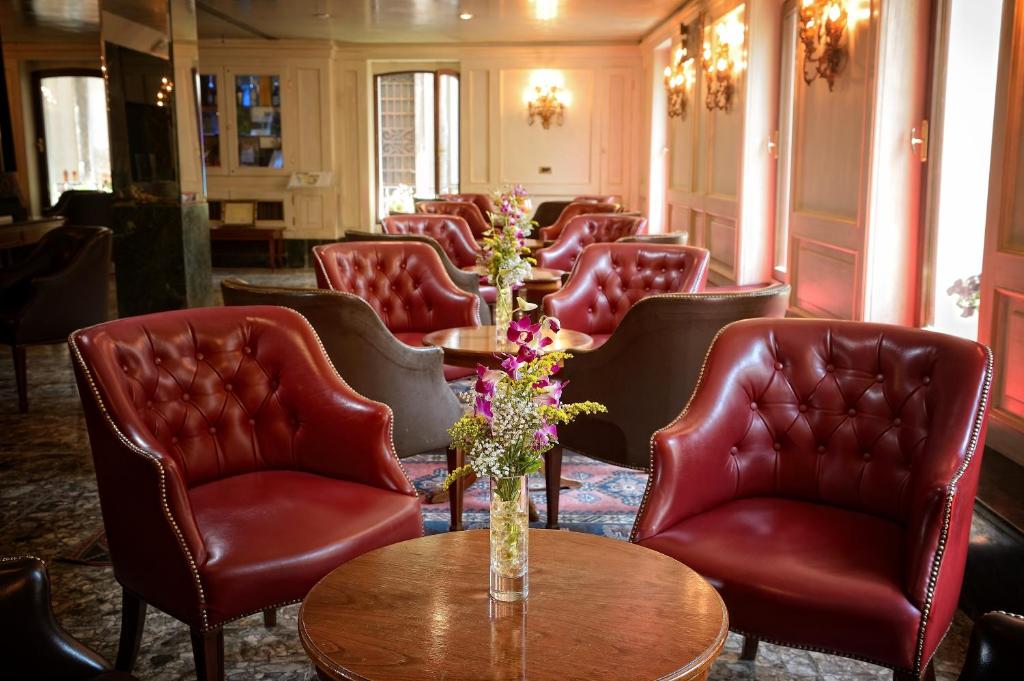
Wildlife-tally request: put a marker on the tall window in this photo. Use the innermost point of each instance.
(417, 136)
(71, 127)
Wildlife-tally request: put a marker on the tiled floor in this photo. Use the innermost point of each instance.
(48, 505)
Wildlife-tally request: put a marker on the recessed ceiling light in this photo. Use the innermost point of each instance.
(465, 16)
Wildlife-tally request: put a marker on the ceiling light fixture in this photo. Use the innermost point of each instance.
(465, 16)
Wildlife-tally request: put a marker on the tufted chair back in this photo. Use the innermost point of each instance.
(867, 417)
(573, 210)
(610, 278)
(466, 210)
(403, 281)
(583, 231)
(216, 392)
(482, 201)
(451, 231)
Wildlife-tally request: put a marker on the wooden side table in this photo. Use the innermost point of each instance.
(274, 236)
(598, 609)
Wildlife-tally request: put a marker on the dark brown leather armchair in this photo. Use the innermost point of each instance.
(467, 281)
(996, 652)
(35, 646)
(374, 363)
(84, 207)
(547, 213)
(61, 286)
(644, 374)
(235, 468)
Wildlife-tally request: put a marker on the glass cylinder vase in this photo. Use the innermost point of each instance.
(510, 520)
(502, 313)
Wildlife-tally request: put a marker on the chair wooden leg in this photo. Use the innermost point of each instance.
(927, 675)
(553, 483)
(208, 649)
(133, 622)
(21, 377)
(456, 459)
(749, 651)
(270, 617)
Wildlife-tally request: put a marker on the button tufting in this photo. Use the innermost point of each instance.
(897, 422)
(157, 361)
(829, 368)
(777, 446)
(778, 366)
(199, 356)
(879, 378)
(852, 412)
(185, 397)
(734, 451)
(802, 408)
(228, 387)
(149, 403)
(247, 350)
(821, 449)
(252, 422)
(174, 440)
(753, 405)
(867, 456)
(213, 431)
(926, 380)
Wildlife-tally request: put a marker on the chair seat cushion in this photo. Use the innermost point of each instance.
(490, 293)
(451, 373)
(794, 571)
(270, 536)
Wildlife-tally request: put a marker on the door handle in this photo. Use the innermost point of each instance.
(773, 144)
(919, 141)
(40, 145)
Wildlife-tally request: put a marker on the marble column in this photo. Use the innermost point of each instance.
(160, 214)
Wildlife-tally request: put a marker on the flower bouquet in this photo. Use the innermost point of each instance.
(516, 410)
(967, 293)
(504, 255)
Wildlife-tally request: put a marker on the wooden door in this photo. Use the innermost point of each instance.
(1002, 281)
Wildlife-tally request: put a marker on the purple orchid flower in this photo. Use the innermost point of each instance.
(511, 366)
(486, 379)
(521, 326)
(544, 436)
(483, 408)
(554, 324)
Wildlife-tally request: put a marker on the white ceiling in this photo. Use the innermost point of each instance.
(435, 21)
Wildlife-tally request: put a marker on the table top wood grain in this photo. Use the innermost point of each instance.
(538, 275)
(468, 346)
(598, 609)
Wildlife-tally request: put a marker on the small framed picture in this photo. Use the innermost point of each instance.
(238, 213)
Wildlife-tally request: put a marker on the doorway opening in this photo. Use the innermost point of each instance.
(417, 116)
(967, 55)
(72, 139)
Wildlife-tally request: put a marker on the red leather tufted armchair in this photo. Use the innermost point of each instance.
(482, 201)
(822, 477)
(235, 468)
(582, 231)
(451, 231)
(610, 278)
(466, 210)
(405, 283)
(575, 209)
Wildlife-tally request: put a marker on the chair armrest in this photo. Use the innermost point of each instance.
(154, 541)
(691, 470)
(559, 255)
(451, 306)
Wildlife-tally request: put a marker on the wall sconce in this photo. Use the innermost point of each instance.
(163, 94)
(721, 59)
(822, 27)
(680, 75)
(547, 98)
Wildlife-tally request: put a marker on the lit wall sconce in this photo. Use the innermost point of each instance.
(546, 98)
(822, 29)
(163, 94)
(722, 59)
(680, 75)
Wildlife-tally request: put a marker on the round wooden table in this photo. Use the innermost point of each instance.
(468, 346)
(542, 281)
(598, 609)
